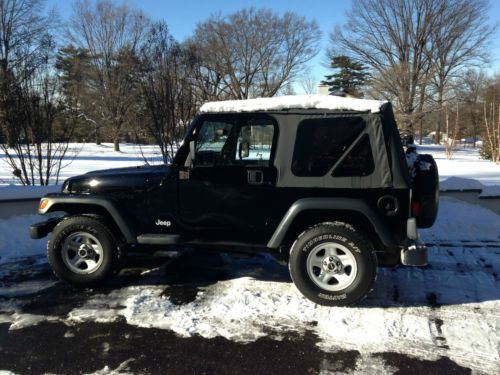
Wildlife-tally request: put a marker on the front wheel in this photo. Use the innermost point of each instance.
(332, 264)
(82, 251)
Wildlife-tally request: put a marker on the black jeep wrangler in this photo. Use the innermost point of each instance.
(323, 184)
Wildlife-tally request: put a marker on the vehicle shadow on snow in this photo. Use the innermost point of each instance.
(35, 290)
(443, 282)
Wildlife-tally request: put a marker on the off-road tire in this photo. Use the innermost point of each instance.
(355, 243)
(83, 224)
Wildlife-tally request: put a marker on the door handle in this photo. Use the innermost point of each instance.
(255, 177)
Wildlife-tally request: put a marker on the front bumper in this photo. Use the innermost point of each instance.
(40, 230)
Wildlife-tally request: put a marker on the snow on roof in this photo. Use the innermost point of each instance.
(294, 102)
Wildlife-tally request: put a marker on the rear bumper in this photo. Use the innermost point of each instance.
(40, 230)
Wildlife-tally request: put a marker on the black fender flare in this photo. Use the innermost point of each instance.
(346, 204)
(56, 201)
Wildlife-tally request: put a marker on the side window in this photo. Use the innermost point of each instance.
(258, 138)
(359, 161)
(211, 142)
(239, 141)
(321, 142)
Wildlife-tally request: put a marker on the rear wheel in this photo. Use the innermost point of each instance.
(82, 251)
(333, 265)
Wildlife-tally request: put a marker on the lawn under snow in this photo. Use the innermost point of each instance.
(91, 157)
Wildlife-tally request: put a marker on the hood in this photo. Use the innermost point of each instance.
(131, 179)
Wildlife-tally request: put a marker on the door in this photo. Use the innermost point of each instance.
(227, 194)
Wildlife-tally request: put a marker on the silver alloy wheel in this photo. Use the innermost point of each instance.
(332, 266)
(82, 253)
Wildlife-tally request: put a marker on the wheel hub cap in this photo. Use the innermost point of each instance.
(86, 252)
(82, 253)
(332, 264)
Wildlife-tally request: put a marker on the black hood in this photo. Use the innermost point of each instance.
(117, 179)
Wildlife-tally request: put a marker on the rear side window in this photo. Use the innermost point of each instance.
(321, 142)
(359, 161)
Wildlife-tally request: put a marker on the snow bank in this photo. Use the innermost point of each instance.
(294, 102)
(26, 192)
(15, 241)
(461, 221)
(460, 184)
(492, 191)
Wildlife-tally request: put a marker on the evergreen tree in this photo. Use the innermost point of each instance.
(72, 65)
(349, 76)
(73, 68)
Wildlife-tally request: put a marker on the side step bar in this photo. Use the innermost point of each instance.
(159, 239)
(176, 239)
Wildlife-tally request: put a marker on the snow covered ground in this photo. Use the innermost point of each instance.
(450, 308)
(466, 163)
(90, 157)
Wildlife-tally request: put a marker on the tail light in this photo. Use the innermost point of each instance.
(416, 208)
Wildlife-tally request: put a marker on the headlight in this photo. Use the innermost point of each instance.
(43, 203)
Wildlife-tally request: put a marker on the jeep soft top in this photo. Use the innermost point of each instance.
(321, 182)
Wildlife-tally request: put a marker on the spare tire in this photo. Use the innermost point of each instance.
(425, 198)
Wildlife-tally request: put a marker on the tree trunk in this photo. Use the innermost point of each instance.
(421, 129)
(11, 141)
(440, 115)
(116, 142)
(97, 136)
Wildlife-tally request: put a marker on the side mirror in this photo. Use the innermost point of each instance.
(244, 150)
(192, 151)
(190, 158)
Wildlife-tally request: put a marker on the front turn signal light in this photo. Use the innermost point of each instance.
(43, 203)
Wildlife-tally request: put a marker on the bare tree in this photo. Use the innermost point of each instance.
(168, 98)
(470, 86)
(492, 127)
(491, 118)
(458, 39)
(112, 35)
(40, 145)
(252, 52)
(22, 28)
(392, 37)
(309, 84)
(413, 46)
(451, 132)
